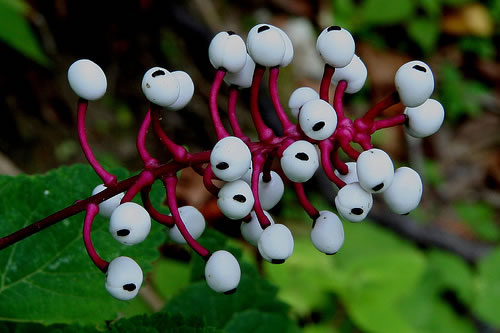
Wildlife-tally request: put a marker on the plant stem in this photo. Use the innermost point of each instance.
(92, 210)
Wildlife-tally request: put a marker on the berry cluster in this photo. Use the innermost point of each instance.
(251, 186)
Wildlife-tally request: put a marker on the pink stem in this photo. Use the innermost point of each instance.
(146, 178)
(387, 102)
(390, 122)
(304, 202)
(179, 153)
(288, 126)
(337, 162)
(141, 142)
(337, 100)
(171, 183)
(108, 179)
(231, 109)
(258, 161)
(214, 112)
(325, 82)
(351, 152)
(266, 169)
(326, 148)
(92, 210)
(156, 215)
(264, 132)
(207, 181)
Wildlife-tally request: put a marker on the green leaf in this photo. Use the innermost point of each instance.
(48, 277)
(480, 217)
(425, 32)
(253, 321)
(382, 12)
(483, 47)
(487, 288)
(16, 32)
(432, 7)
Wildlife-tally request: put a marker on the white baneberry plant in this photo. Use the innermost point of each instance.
(244, 164)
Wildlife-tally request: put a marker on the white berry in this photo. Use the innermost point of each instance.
(299, 97)
(425, 119)
(353, 202)
(130, 223)
(243, 78)
(276, 243)
(123, 278)
(354, 74)
(227, 51)
(269, 46)
(414, 82)
(327, 234)
(222, 272)
(300, 161)
(107, 207)
(194, 222)
(252, 230)
(375, 170)
(405, 192)
(186, 90)
(336, 46)
(351, 176)
(235, 199)
(230, 158)
(270, 193)
(318, 119)
(87, 79)
(160, 86)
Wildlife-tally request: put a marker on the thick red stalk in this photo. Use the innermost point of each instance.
(171, 183)
(324, 88)
(179, 153)
(107, 178)
(375, 111)
(156, 215)
(337, 100)
(390, 122)
(207, 181)
(265, 133)
(214, 112)
(146, 178)
(288, 126)
(326, 148)
(304, 202)
(92, 210)
(258, 161)
(141, 142)
(231, 110)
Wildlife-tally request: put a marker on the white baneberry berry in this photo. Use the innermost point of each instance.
(87, 79)
(269, 46)
(375, 170)
(186, 90)
(130, 223)
(123, 278)
(354, 74)
(414, 82)
(299, 97)
(227, 51)
(247, 177)
(222, 272)
(353, 202)
(327, 234)
(405, 192)
(160, 86)
(300, 161)
(351, 176)
(270, 192)
(276, 243)
(336, 46)
(318, 119)
(235, 199)
(425, 119)
(252, 230)
(107, 207)
(194, 222)
(243, 78)
(230, 158)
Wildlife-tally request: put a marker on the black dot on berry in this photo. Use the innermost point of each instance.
(129, 287)
(319, 125)
(123, 232)
(333, 27)
(406, 213)
(302, 156)
(378, 187)
(277, 261)
(231, 33)
(331, 254)
(222, 166)
(357, 211)
(240, 198)
(420, 68)
(158, 73)
(263, 28)
(230, 292)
